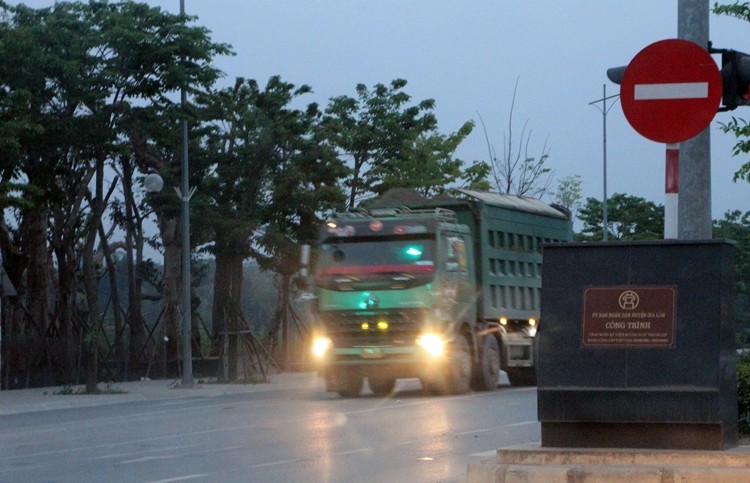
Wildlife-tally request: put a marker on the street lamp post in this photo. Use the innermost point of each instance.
(187, 350)
(604, 110)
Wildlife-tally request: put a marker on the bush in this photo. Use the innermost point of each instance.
(743, 393)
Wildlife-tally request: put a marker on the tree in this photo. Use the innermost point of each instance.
(374, 130)
(518, 172)
(739, 127)
(396, 145)
(271, 171)
(428, 165)
(736, 226)
(629, 218)
(71, 76)
(568, 194)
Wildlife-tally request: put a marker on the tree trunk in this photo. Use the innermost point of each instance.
(65, 301)
(226, 309)
(34, 226)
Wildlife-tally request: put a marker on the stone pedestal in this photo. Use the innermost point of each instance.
(637, 346)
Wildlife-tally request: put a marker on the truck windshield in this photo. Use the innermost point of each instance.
(368, 255)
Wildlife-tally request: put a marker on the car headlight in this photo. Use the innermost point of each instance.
(320, 346)
(433, 344)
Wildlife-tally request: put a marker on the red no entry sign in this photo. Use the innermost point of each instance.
(671, 90)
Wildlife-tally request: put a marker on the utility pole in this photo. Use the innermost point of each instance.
(694, 216)
(604, 110)
(187, 340)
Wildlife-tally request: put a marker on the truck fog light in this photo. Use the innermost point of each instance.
(320, 346)
(433, 344)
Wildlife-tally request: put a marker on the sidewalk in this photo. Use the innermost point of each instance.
(19, 401)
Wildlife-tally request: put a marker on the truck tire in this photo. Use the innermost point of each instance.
(459, 369)
(380, 385)
(487, 370)
(453, 376)
(521, 376)
(347, 383)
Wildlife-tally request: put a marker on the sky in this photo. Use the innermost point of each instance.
(469, 56)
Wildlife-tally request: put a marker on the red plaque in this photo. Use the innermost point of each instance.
(629, 316)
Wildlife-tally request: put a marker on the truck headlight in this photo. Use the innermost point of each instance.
(320, 346)
(532, 327)
(433, 344)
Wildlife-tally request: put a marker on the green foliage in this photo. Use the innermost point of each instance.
(428, 165)
(743, 394)
(568, 194)
(392, 143)
(86, 86)
(739, 127)
(629, 218)
(476, 176)
(741, 130)
(736, 226)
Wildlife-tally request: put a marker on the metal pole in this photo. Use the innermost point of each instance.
(671, 191)
(605, 222)
(187, 350)
(695, 154)
(604, 110)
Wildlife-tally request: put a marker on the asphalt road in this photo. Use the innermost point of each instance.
(284, 434)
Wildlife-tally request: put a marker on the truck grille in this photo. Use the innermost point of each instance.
(350, 329)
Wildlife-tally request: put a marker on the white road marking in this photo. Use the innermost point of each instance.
(180, 478)
(476, 431)
(674, 90)
(155, 450)
(272, 463)
(522, 423)
(149, 458)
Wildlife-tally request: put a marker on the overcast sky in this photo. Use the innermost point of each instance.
(468, 56)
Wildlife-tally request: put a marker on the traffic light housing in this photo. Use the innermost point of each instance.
(615, 73)
(735, 76)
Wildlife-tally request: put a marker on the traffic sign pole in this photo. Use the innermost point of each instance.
(671, 192)
(670, 93)
(695, 153)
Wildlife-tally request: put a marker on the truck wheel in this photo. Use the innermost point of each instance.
(487, 371)
(459, 369)
(521, 376)
(346, 383)
(381, 386)
(452, 376)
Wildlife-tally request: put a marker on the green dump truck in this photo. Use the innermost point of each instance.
(446, 290)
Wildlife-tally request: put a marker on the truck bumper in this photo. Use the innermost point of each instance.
(518, 351)
(398, 362)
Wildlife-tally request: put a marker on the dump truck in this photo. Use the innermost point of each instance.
(446, 290)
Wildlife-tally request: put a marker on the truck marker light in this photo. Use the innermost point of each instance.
(433, 344)
(365, 326)
(383, 325)
(320, 346)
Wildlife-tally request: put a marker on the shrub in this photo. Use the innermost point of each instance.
(743, 393)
